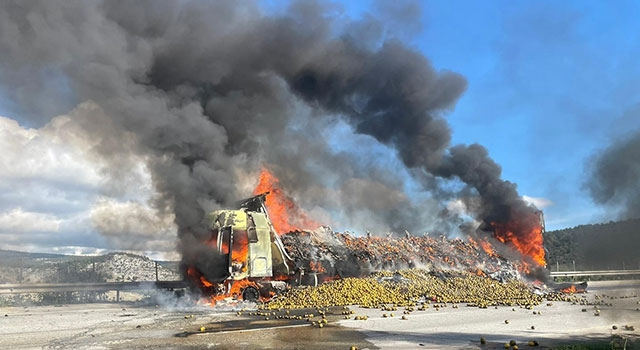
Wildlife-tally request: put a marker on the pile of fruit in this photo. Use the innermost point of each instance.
(407, 288)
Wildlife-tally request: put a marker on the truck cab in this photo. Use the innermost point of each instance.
(253, 258)
(256, 250)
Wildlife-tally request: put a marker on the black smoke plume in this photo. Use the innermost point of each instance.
(208, 91)
(615, 177)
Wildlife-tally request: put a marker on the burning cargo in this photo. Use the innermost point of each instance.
(258, 262)
(260, 249)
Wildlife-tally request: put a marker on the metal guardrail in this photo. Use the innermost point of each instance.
(89, 287)
(150, 285)
(594, 273)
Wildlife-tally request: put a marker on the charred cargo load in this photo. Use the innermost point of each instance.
(254, 262)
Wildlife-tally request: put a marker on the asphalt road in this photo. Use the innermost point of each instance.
(553, 324)
(126, 326)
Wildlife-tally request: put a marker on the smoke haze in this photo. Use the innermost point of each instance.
(207, 92)
(615, 177)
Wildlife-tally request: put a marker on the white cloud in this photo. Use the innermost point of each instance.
(19, 221)
(539, 202)
(133, 225)
(38, 154)
(57, 195)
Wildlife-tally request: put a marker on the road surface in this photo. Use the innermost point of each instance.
(167, 326)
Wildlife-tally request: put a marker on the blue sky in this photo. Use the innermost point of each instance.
(550, 84)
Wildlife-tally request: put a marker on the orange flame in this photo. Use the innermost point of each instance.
(205, 282)
(328, 278)
(285, 215)
(231, 288)
(196, 276)
(525, 235)
(235, 289)
(240, 252)
(572, 289)
(488, 248)
(316, 266)
(240, 245)
(485, 245)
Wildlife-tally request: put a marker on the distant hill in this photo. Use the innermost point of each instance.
(11, 254)
(606, 246)
(22, 259)
(21, 267)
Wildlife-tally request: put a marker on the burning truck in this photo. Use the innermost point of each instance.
(255, 251)
(255, 262)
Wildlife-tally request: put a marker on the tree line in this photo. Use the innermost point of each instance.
(605, 246)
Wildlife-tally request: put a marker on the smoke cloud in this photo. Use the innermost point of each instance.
(208, 92)
(615, 177)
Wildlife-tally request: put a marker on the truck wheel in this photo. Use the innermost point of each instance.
(250, 294)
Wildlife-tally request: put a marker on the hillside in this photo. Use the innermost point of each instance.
(20, 267)
(612, 245)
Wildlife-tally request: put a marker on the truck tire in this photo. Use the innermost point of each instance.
(250, 294)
